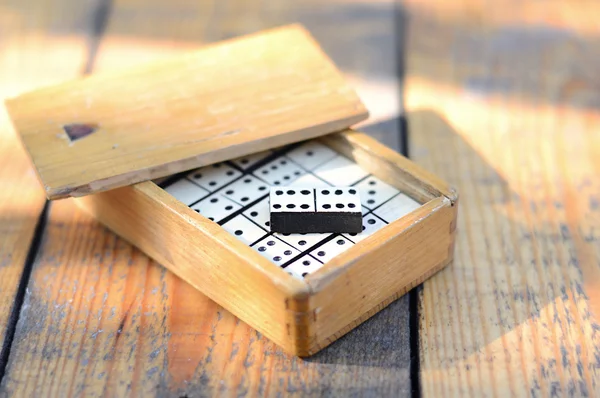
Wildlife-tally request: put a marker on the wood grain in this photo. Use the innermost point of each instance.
(226, 100)
(25, 43)
(101, 319)
(507, 110)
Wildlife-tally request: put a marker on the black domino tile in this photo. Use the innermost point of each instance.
(316, 222)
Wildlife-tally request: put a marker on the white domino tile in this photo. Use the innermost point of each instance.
(186, 192)
(340, 171)
(216, 207)
(245, 190)
(214, 176)
(244, 229)
(259, 213)
(397, 207)
(311, 154)
(292, 200)
(371, 224)
(275, 250)
(373, 192)
(303, 266)
(302, 242)
(245, 162)
(310, 181)
(329, 250)
(338, 199)
(279, 172)
(288, 173)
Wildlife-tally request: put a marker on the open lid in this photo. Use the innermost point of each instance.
(223, 101)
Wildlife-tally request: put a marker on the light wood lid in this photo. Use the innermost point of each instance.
(220, 102)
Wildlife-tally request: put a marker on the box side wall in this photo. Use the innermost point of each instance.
(209, 258)
(378, 270)
(389, 166)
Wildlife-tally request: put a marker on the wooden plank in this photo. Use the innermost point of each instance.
(101, 319)
(227, 100)
(358, 35)
(507, 111)
(25, 44)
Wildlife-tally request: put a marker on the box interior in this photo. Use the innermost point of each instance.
(235, 194)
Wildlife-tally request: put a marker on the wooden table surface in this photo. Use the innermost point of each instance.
(501, 100)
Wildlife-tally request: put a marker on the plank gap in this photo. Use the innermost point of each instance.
(400, 25)
(99, 17)
(413, 327)
(13, 319)
(413, 296)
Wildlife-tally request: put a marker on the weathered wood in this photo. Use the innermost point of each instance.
(23, 48)
(505, 107)
(101, 318)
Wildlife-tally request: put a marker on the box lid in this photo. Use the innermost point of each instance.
(223, 101)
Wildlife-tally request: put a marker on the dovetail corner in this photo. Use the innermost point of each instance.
(77, 131)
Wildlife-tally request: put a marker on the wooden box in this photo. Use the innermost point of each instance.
(90, 142)
(302, 316)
